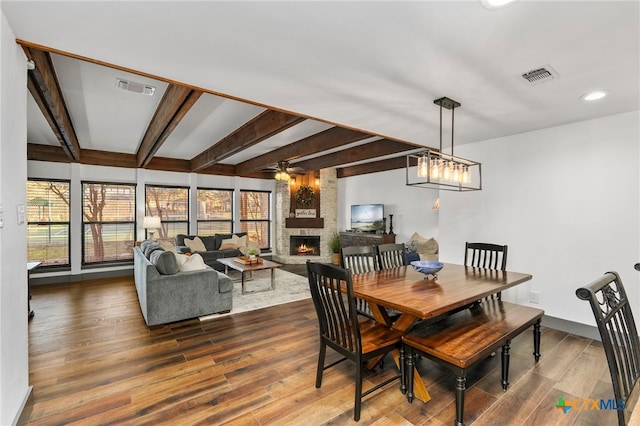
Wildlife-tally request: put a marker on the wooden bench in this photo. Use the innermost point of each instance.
(462, 339)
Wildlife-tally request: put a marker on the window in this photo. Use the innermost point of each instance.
(171, 205)
(48, 222)
(108, 222)
(255, 216)
(215, 211)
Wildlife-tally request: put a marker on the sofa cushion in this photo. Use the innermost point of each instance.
(165, 262)
(195, 244)
(145, 244)
(150, 248)
(192, 263)
(209, 242)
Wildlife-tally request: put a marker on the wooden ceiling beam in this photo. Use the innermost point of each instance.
(38, 152)
(364, 152)
(376, 166)
(174, 105)
(331, 138)
(264, 126)
(107, 158)
(45, 89)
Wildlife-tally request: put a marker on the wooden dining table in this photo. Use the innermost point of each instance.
(417, 297)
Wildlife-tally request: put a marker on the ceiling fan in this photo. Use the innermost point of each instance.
(284, 172)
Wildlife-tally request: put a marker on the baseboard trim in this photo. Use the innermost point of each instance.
(70, 278)
(579, 329)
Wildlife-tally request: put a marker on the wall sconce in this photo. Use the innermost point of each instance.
(292, 182)
(149, 223)
(317, 182)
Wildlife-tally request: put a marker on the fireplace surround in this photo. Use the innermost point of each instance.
(328, 183)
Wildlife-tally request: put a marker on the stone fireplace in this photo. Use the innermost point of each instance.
(321, 230)
(304, 245)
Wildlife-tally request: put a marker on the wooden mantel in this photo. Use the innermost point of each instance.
(316, 222)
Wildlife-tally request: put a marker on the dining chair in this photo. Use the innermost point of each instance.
(612, 312)
(391, 255)
(488, 256)
(340, 328)
(360, 259)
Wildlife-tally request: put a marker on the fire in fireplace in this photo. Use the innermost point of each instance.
(304, 245)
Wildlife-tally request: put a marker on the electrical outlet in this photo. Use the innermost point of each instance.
(534, 297)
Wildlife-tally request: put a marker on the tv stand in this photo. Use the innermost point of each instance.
(349, 239)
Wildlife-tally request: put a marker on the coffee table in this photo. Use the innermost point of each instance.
(231, 262)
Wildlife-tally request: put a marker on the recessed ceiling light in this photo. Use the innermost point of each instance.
(593, 96)
(496, 4)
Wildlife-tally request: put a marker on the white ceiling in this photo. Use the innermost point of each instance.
(372, 66)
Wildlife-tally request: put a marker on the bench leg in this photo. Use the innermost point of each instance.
(536, 340)
(460, 387)
(409, 374)
(505, 364)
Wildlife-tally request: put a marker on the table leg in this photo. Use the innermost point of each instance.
(403, 323)
(273, 279)
(244, 289)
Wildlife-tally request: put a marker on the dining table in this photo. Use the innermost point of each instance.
(421, 297)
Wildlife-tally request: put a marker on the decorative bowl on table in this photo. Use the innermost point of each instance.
(427, 267)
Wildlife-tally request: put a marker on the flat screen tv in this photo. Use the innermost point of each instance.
(367, 217)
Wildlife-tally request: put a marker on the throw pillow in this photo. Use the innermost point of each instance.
(192, 263)
(425, 245)
(181, 259)
(229, 244)
(195, 245)
(242, 241)
(167, 245)
(165, 262)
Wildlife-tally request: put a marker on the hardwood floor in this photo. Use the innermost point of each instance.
(94, 361)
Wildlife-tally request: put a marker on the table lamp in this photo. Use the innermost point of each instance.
(151, 223)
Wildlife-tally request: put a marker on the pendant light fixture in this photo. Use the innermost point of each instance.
(436, 170)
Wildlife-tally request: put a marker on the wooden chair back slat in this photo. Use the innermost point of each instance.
(617, 328)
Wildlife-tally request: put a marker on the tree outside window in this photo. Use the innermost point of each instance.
(215, 211)
(48, 222)
(108, 216)
(255, 216)
(171, 205)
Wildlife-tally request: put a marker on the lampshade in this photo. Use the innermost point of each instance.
(151, 222)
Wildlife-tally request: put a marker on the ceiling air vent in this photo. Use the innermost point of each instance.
(540, 75)
(135, 87)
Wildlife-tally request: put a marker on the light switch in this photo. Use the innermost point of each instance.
(21, 214)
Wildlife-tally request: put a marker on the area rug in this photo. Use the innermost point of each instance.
(289, 288)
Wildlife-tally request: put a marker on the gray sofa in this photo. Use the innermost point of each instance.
(167, 295)
(212, 244)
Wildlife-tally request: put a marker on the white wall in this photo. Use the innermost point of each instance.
(14, 362)
(411, 207)
(566, 200)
